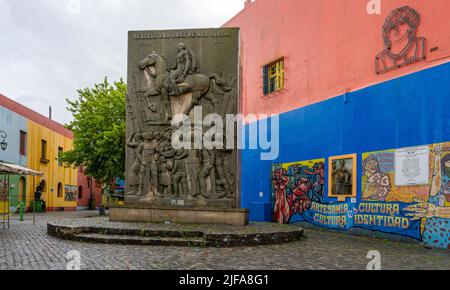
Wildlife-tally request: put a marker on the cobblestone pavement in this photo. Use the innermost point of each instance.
(25, 246)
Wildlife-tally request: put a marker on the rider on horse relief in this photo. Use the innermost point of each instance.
(185, 64)
(183, 77)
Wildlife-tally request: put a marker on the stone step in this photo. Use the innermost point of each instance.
(140, 240)
(101, 230)
(148, 233)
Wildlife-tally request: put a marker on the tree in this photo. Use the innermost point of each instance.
(99, 127)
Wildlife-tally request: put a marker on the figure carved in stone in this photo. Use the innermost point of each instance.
(134, 142)
(222, 183)
(207, 167)
(179, 174)
(230, 176)
(166, 171)
(165, 147)
(194, 165)
(154, 115)
(165, 178)
(185, 64)
(157, 140)
(149, 168)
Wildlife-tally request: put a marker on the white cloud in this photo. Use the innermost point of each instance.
(47, 53)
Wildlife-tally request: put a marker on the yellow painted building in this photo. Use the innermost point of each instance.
(60, 182)
(35, 141)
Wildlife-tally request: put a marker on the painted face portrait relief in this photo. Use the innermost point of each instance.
(402, 45)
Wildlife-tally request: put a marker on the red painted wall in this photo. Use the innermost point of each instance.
(83, 183)
(329, 46)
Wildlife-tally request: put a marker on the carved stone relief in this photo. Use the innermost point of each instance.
(170, 75)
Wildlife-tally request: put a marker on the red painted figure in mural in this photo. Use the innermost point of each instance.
(320, 172)
(282, 209)
(299, 202)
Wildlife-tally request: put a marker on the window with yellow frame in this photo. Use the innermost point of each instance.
(342, 180)
(273, 76)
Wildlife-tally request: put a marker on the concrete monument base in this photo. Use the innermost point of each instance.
(183, 202)
(101, 230)
(181, 215)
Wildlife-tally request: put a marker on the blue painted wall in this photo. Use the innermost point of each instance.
(12, 124)
(409, 111)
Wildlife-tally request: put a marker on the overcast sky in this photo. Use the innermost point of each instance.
(51, 48)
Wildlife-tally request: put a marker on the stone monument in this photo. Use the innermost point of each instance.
(192, 73)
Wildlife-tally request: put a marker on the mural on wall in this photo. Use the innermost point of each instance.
(296, 186)
(427, 205)
(70, 193)
(394, 198)
(379, 180)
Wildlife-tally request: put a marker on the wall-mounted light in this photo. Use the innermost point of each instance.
(3, 144)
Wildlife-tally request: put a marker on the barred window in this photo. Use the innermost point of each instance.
(273, 76)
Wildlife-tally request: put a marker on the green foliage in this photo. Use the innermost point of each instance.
(99, 128)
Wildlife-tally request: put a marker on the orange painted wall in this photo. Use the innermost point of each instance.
(329, 46)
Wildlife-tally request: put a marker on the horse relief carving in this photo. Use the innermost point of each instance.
(182, 78)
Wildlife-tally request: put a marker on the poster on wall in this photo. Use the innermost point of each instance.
(342, 181)
(70, 193)
(412, 166)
